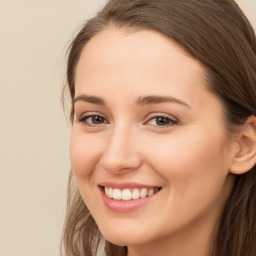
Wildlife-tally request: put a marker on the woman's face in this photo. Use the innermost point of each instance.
(148, 131)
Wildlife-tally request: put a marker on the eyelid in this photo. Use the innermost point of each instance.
(88, 113)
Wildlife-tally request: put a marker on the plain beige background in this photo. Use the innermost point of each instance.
(34, 134)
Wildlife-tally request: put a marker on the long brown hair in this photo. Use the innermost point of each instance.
(216, 33)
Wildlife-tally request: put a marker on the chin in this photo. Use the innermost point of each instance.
(123, 236)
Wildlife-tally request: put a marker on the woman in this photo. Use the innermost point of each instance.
(163, 143)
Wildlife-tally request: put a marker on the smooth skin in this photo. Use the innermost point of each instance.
(143, 114)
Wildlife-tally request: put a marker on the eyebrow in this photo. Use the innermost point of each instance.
(142, 101)
(90, 99)
(149, 100)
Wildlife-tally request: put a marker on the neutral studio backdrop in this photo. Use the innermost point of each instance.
(34, 132)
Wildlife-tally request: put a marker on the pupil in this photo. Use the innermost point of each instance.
(162, 121)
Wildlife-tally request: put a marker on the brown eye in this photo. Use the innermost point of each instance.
(97, 119)
(162, 121)
(93, 120)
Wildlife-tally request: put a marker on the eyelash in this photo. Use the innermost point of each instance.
(170, 121)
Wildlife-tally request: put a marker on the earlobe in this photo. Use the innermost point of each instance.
(245, 158)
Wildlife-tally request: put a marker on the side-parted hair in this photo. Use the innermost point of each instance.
(216, 33)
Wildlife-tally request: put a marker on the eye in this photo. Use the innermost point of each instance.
(161, 121)
(93, 120)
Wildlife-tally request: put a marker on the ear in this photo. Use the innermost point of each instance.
(245, 157)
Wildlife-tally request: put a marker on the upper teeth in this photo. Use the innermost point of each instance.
(128, 194)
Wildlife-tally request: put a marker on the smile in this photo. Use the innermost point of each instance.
(129, 194)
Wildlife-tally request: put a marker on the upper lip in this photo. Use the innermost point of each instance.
(126, 185)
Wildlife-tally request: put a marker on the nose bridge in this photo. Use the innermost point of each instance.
(121, 136)
(120, 152)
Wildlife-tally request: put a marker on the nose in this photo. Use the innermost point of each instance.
(120, 155)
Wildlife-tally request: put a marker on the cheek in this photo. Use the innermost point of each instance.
(185, 159)
(195, 176)
(84, 154)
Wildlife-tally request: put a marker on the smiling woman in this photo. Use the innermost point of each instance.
(163, 143)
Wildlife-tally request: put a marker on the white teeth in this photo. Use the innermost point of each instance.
(110, 192)
(135, 194)
(106, 189)
(117, 194)
(151, 192)
(143, 193)
(128, 194)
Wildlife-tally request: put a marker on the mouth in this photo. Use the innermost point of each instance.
(129, 194)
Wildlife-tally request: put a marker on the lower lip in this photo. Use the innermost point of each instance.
(125, 206)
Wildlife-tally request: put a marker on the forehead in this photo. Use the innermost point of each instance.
(147, 45)
(131, 50)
